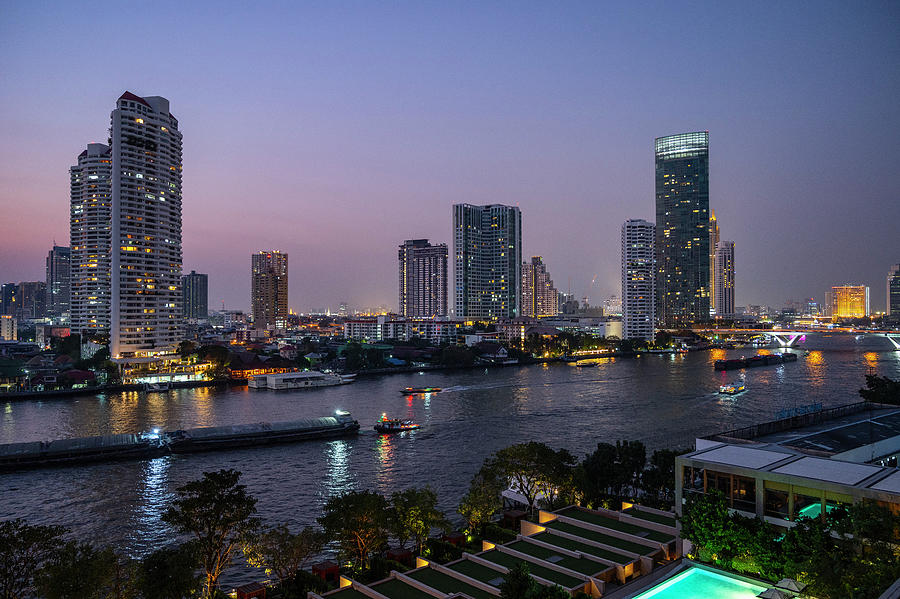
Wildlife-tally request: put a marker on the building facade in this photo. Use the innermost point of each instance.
(195, 296)
(724, 276)
(713, 243)
(423, 279)
(58, 281)
(90, 216)
(539, 296)
(638, 279)
(893, 291)
(31, 300)
(850, 301)
(434, 330)
(682, 229)
(145, 286)
(269, 289)
(487, 251)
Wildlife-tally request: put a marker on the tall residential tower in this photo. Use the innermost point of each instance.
(682, 228)
(638, 280)
(713, 243)
(893, 291)
(195, 296)
(269, 289)
(487, 255)
(423, 278)
(539, 296)
(58, 281)
(724, 277)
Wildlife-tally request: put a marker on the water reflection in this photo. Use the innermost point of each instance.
(154, 498)
(338, 479)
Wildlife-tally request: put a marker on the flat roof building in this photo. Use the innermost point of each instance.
(850, 301)
(638, 280)
(269, 289)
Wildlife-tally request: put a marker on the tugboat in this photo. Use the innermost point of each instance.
(420, 390)
(391, 425)
(733, 388)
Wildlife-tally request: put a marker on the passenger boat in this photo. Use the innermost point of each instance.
(414, 390)
(393, 425)
(298, 380)
(733, 388)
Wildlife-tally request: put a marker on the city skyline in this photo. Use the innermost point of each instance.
(577, 171)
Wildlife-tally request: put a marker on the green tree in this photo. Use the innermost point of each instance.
(24, 549)
(358, 521)
(457, 355)
(597, 474)
(529, 468)
(414, 515)
(518, 583)
(481, 501)
(707, 524)
(170, 573)
(658, 480)
(186, 348)
(631, 458)
(881, 389)
(283, 553)
(84, 571)
(218, 512)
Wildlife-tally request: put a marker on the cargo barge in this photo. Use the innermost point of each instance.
(757, 360)
(36, 454)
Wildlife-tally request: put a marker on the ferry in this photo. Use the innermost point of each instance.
(298, 380)
(419, 390)
(392, 425)
(733, 388)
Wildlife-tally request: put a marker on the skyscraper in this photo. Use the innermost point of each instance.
(682, 228)
(269, 289)
(58, 281)
(423, 278)
(89, 230)
(638, 279)
(195, 296)
(713, 243)
(893, 291)
(849, 301)
(724, 277)
(31, 300)
(539, 296)
(145, 294)
(487, 251)
(8, 302)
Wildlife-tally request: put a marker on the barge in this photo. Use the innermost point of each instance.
(757, 360)
(36, 454)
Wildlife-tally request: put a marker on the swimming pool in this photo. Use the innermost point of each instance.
(699, 583)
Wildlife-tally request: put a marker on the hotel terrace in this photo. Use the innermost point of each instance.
(594, 551)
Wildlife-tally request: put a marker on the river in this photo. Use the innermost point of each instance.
(662, 400)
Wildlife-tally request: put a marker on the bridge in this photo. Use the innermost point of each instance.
(787, 338)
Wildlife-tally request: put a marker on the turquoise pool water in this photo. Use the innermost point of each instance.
(697, 583)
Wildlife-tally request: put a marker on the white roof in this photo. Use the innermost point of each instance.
(747, 457)
(890, 484)
(845, 473)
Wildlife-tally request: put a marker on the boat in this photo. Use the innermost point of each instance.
(298, 380)
(156, 387)
(419, 390)
(733, 388)
(392, 425)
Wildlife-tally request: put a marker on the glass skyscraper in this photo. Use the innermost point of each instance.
(682, 229)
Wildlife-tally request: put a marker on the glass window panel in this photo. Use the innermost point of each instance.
(776, 504)
(806, 506)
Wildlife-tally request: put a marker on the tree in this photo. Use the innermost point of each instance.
(283, 553)
(658, 480)
(881, 389)
(597, 473)
(631, 457)
(84, 571)
(528, 467)
(186, 348)
(170, 573)
(517, 583)
(706, 522)
(557, 484)
(482, 500)
(218, 513)
(414, 515)
(358, 521)
(24, 549)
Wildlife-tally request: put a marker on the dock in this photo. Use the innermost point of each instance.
(62, 452)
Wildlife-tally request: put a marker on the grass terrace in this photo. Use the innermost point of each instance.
(578, 564)
(447, 584)
(348, 593)
(613, 524)
(599, 537)
(571, 545)
(563, 580)
(651, 517)
(397, 589)
(477, 571)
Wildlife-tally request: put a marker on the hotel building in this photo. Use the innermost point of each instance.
(423, 279)
(269, 289)
(539, 296)
(638, 280)
(850, 301)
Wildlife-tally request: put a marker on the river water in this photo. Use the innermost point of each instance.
(662, 400)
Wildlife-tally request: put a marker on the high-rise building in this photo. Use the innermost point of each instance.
(89, 229)
(713, 243)
(724, 276)
(850, 301)
(58, 277)
(487, 252)
(195, 296)
(638, 279)
(269, 289)
(8, 302)
(423, 278)
(31, 300)
(539, 296)
(8, 328)
(682, 228)
(126, 231)
(893, 291)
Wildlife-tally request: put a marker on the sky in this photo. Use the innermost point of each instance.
(335, 130)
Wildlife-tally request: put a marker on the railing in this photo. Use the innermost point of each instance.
(798, 421)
